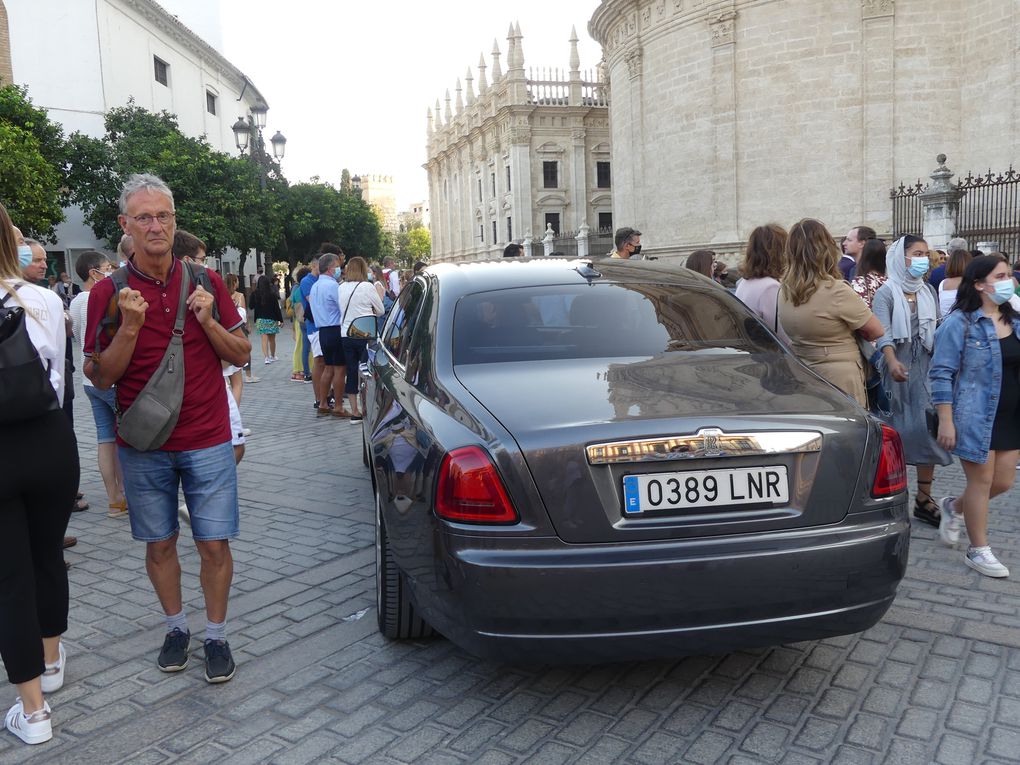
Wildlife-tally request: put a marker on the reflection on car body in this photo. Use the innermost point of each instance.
(579, 462)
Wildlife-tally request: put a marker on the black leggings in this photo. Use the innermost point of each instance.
(38, 483)
(355, 351)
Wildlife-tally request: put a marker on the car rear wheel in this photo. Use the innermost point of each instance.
(398, 619)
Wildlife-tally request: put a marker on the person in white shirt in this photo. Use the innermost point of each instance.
(392, 274)
(358, 297)
(36, 496)
(91, 267)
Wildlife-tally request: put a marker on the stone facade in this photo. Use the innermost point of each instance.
(727, 114)
(380, 192)
(6, 71)
(522, 152)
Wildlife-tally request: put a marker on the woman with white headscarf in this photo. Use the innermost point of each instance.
(908, 311)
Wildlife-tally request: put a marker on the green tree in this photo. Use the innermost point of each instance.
(217, 197)
(33, 158)
(413, 244)
(317, 212)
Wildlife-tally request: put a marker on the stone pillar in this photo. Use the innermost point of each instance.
(941, 202)
(547, 240)
(724, 118)
(582, 241)
(877, 85)
(528, 245)
(6, 71)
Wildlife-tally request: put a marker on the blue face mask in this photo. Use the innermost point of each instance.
(1003, 291)
(24, 255)
(918, 266)
(337, 271)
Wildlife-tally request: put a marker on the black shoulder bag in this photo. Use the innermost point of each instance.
(25, 388)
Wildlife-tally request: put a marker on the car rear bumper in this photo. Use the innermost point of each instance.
(527, 599)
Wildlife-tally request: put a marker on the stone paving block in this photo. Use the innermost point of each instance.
(955, 749)
(584, 728)
(909, 752)
(479, 734)
(708, 748)
(735, 715)
(255, 753)
(659, 749)
(766, 740)
(635, 724)
(686, 719)
(362, 748)
(605, 750)
(612, 700)
(563, 705)
(1004, 743)
(848, 755)
(351, 724)
(868, 731)
(525, 735)
(310, 749)
(415, 743)
(816, 734)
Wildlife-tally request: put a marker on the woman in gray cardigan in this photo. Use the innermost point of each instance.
(908, 311)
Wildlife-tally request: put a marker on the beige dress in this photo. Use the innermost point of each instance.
(821, 333)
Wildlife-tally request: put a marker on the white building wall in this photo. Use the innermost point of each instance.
(97, 55)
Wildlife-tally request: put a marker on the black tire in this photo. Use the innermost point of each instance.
(398, 619)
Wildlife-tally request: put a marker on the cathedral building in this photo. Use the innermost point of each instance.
(527, 152)
(727, 114)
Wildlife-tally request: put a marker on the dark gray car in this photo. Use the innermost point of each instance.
(583, 461)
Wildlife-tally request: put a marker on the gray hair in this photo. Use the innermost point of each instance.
(142, 182)
(326, 262)
(959, 243)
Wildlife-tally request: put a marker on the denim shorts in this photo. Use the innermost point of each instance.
(209, 479)
(104, 412)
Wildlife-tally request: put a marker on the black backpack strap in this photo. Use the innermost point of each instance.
(200, 275)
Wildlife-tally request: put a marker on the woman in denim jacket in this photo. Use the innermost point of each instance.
(976, 390)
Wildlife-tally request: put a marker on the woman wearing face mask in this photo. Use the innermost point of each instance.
(908, 310)
(976, 390)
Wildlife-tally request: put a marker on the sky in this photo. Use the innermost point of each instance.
(349, 83)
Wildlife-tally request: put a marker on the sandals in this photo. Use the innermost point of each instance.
(927, 510)
(117, 509)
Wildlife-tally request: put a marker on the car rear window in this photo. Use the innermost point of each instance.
(578, 321)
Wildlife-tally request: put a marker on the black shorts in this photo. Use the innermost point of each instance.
(331, 342)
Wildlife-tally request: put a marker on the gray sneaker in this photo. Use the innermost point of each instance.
(173, 656)
(219, 664)
(982, 559)
(950, 523)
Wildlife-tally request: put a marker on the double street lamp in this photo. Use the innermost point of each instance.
(248, 138)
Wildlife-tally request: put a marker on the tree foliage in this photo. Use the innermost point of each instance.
(412, 244)
(217, 197)
(317, 212)
(33, 157)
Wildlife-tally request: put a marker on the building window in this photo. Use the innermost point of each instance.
(602, 175)
(494, 240)
(605, 222)
(508, 178)
(550, 175)
(162, 71)
(553, 219)
(210, 103)
(509, 229)
(480, 197)
(492, 177)
(481, 233)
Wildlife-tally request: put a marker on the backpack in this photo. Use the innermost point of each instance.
(25, 388)
(111, 318)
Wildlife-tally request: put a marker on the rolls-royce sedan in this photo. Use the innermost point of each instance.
(600, 460)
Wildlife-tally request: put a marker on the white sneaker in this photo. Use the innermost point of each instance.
(245, 432)
(35, 728)
(950, 523)
(267, 360)
(53, 676)
(982, 559)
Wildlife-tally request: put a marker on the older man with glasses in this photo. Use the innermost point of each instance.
(198, 454)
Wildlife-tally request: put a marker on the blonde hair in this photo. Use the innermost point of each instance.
(812, 259)
(356, 269)
(231, 282)
(10, 268)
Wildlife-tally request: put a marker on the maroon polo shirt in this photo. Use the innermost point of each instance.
(204, 420)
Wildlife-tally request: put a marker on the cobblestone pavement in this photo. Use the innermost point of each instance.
(938, 680)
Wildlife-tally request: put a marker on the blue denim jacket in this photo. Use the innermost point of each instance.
(966, 371)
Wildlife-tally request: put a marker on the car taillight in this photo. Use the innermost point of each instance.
(470, 490)
(891, 476)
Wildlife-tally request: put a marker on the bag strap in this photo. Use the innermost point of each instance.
(182, 301)
(349, 297)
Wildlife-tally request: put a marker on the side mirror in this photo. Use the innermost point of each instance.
(363, 328)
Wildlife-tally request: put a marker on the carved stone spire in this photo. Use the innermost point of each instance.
(460, 97)
(518, 48)
(431, 127)
(469, 81)
(438, 123)
(497, 73)
(575, 58)
(483, 85)
(447, 112)
(511, 48)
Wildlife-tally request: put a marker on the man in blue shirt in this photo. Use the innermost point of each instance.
(310, 330)
(325, 304)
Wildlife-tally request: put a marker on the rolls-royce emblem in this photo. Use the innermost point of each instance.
(710, 441)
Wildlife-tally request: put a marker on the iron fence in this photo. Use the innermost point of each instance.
(908, 213)
(990, 211)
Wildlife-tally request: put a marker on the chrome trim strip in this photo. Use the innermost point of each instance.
(707, 442)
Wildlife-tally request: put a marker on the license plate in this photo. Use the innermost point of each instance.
(705, 488)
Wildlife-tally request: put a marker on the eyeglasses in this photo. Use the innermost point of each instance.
(146, 220)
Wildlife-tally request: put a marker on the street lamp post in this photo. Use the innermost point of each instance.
(248, 138)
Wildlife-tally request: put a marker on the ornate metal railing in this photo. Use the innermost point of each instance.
(990, 210)
(908, 213)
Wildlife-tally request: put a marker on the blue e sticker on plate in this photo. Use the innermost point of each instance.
(631, 494)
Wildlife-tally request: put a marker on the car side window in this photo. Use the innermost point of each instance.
(399, 327)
